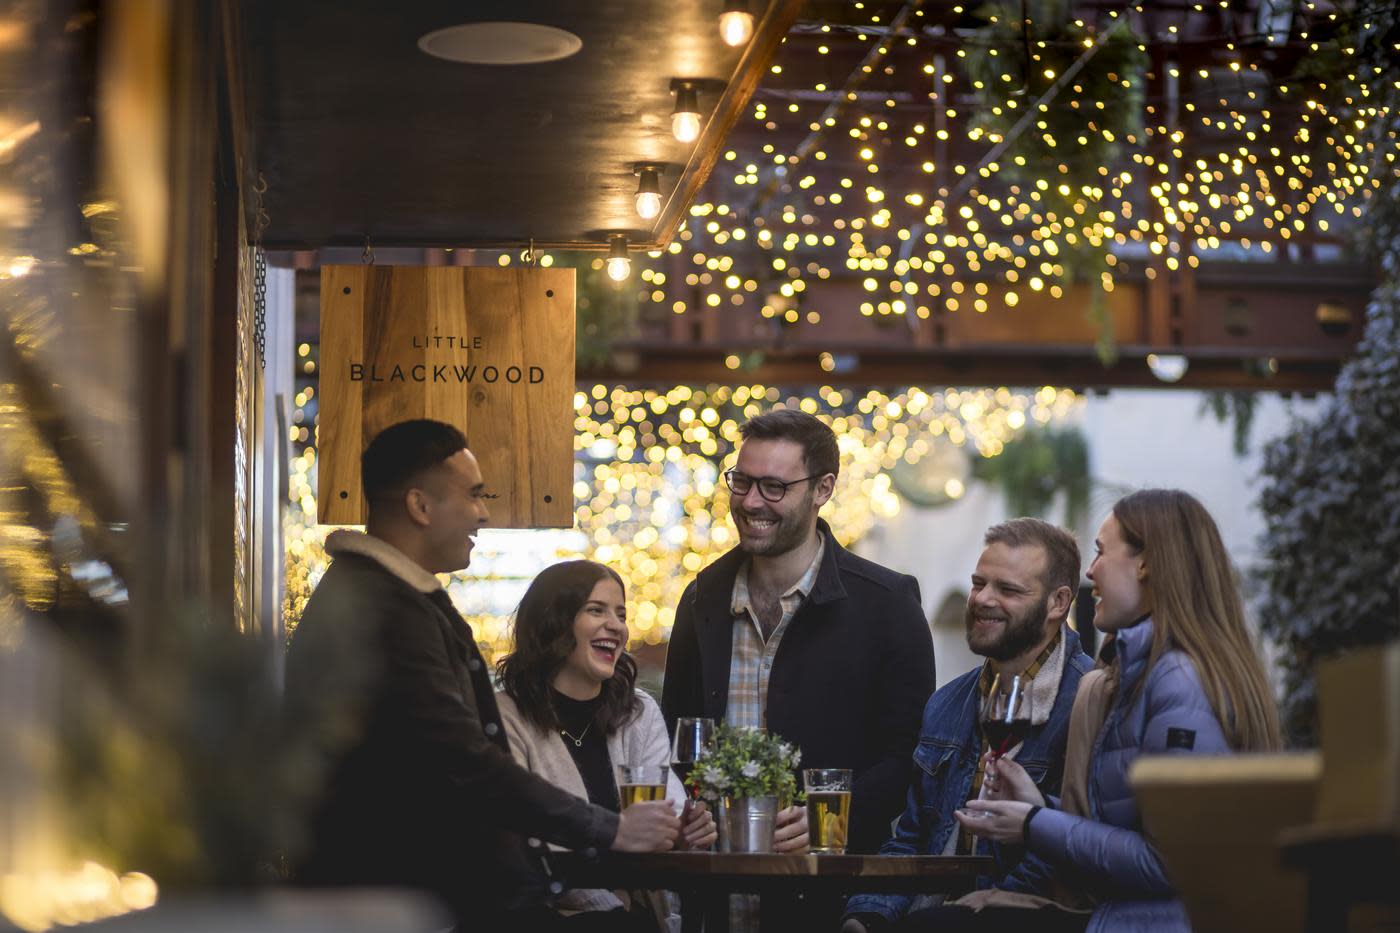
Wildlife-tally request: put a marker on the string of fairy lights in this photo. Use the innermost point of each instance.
(649, 499)
(947, 174)
(1221, 160)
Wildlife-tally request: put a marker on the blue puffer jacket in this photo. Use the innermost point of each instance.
(1163, 710)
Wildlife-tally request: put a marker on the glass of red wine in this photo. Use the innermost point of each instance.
(694, 739)
(1006, 714)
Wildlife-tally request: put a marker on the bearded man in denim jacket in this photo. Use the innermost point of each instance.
(1022, 590)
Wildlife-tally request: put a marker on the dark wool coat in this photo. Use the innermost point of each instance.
(420, 786)
(849, 681)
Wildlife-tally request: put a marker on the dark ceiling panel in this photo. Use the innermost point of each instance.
(359, 133)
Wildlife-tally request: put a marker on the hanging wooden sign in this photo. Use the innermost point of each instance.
(488, 350)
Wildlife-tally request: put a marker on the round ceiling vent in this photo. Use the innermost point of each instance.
(500, 43)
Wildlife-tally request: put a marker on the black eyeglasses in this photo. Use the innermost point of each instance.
(769, 487)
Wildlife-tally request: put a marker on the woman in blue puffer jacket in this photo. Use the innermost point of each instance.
(1179, 674)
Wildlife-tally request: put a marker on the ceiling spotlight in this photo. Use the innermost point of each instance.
(648, 189)
(736, 22)
(619, 264)
(500, 43)
(1168, 367)
(685, 119)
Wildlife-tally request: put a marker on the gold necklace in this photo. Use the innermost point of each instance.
(576, 739)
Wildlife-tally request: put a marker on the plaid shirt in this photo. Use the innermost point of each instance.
(750, 664)
(751, 661)
(984, 687)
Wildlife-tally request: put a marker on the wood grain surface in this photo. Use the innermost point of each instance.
(488, 350)
(709, 871)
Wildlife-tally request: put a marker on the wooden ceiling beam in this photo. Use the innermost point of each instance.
(668, 364)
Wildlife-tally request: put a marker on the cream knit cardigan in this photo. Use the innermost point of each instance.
(642, 741)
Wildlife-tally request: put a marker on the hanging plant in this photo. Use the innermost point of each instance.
(1035, 466)
(1064, 101)
(1022, 52)
(1236, 407)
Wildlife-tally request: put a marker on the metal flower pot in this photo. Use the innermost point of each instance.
(746, 823)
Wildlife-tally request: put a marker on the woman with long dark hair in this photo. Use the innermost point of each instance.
(1179, 674)
(573, 713)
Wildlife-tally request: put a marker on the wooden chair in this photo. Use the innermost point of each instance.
(1350, 848)
(1216, 822)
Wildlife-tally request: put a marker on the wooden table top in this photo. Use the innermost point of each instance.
(931, 874)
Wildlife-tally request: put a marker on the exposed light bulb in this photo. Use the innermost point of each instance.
(736, 23)
(619, 264)
(648, 191)
(685, 127)
(685, 121)
(619, 269)
(648, 204)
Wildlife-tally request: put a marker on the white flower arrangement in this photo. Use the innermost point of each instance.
(747, 763)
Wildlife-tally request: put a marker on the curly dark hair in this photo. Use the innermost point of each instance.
(544, 639)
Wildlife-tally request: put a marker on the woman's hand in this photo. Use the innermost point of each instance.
(648, 826)
(998, 820)
(1004, 779)
(698, 829)
(790, 833)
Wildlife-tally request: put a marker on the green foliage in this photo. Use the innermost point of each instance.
(1331, 497)
(183, 772)
(1011, 63)
(1058, 158)
(1331, 506)
(1236, 407)
(747, 763)
(1036, 465)
(1353, 76)
(1088, 264)
(607, 312)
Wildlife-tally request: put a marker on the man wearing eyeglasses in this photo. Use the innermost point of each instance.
(793, 633)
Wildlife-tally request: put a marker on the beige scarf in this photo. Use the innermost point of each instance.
(1091, 703)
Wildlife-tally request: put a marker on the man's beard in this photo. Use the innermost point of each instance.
(1019, 633)
(788, 534)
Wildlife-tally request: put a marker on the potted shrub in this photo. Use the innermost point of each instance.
(746, 778)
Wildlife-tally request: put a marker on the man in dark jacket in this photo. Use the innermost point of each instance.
(1021, 593)
(793, 633)
(385, 679)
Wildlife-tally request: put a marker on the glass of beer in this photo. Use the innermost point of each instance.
(828, 808)
(636, 783)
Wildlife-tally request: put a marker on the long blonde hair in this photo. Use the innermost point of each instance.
(1196, 608)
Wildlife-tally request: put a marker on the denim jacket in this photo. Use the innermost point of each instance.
(945, 761)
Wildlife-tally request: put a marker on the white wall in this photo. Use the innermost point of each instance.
(278, 387)
(1137, 438)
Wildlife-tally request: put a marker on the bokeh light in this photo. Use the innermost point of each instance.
(649, 499)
